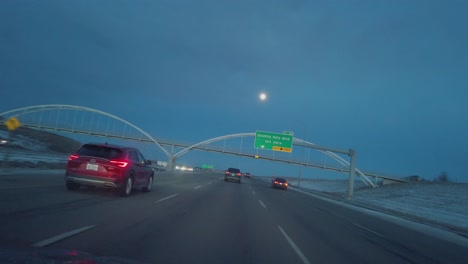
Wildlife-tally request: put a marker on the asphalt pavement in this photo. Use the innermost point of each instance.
(199, 218)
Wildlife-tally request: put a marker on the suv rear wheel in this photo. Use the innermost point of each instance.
(127, 188)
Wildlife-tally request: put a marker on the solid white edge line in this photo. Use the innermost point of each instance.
(253, 192)
(62, 236)
(209, 182)
(420, 227)
(372, 231)
(165, 198)
(197, 187)
(293, 245)
(260, 201)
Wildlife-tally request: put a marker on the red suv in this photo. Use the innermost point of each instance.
(110, 166)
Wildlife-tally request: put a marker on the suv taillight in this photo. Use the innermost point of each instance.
(119, 163)
(239, 174)
(226, 172)
(73, 157)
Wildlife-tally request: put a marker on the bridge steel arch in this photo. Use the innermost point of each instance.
(39, 108)
(296, 141)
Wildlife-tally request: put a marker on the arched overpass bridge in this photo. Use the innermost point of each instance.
(64, 118)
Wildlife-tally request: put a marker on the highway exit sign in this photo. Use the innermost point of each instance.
(274, 141)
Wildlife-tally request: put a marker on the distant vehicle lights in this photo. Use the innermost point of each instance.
(183, 168)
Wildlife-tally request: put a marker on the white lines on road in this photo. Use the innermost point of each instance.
(209, 182)
(293, 245)
(166, 198)
(253, 192)
(367, 229)
(262, 204)
(197, 187)
(62, 236)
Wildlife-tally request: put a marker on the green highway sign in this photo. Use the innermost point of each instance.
(274, 141)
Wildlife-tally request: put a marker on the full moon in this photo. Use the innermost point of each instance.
(263, 96)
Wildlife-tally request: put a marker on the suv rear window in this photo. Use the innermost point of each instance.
(100, 152)
(280, 180)
(232, 170)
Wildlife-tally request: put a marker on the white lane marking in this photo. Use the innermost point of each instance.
(62, 236)
(165, 198)
(29, 186)
(197, 187)
(372, 231)
(293, 245)
(253, 192)
(209, 182)
(260, 201)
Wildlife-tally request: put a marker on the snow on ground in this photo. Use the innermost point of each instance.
(22, 155)
(328, 186)
(444, 204)
(25, 142)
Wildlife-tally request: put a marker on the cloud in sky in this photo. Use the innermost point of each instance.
(387, 78)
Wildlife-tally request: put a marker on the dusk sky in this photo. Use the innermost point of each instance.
(387, 78)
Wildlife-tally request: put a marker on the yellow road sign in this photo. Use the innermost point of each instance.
(12, 123)
(281, 149)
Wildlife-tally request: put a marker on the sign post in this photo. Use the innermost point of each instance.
(12, 124)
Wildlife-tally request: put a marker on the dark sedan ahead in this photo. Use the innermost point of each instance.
(279, 183)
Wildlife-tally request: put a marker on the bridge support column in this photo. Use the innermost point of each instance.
(352, 167)
(171, 162)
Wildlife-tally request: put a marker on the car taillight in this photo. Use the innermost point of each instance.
(227, 172)
(285, 184)
(276, 182)
(119, 163)
(72, 157)
(239, 174)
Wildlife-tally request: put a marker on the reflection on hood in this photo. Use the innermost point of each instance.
(58, 256)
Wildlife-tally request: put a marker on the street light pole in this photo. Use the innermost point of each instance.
(300, 174)
(352, 167)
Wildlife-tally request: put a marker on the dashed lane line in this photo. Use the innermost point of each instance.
(62, 236)
(294, 246)
(166, 198)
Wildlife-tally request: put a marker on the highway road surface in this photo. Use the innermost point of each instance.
(199, 218)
